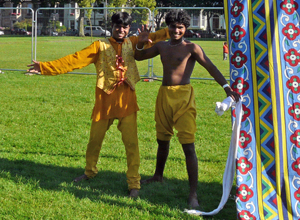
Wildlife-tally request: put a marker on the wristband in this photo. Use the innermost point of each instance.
(139, 48)
(226, 85)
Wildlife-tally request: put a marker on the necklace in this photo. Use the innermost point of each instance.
(174, 45)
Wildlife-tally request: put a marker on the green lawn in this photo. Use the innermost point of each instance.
(44, 129)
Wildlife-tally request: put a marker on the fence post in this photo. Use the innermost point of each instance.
(32, 23)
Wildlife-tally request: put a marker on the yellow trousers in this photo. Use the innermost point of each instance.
(128, 127)
(176, 108)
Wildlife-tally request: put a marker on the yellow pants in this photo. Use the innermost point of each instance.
(128, 127)
(176, 107)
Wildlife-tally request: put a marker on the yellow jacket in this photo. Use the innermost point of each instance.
(121, 101)
(113, 69)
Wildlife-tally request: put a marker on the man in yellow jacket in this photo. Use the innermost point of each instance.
(117, 75)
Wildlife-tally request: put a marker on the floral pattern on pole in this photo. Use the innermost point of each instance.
(292, 57)
(243, 165)
(289, 6)
(240, 86)
(244, 193)
(291, 31)
(295, 138)
(245, 139)
(294, 84)
(294, 111)
(238, 59)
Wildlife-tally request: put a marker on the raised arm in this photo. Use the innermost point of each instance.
(147, 40)
(203, 60)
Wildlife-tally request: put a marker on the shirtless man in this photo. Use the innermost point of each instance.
(175, 104)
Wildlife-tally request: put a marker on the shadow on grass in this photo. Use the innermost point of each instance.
(108, 186)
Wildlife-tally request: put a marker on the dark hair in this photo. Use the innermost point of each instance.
(121, 18)
(178, 16)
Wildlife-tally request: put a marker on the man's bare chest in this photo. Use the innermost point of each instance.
(174, 57)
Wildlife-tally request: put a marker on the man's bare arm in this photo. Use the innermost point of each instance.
(203, 60)
(141, 54)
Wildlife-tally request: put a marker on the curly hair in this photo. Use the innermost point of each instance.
(121, 18)
(178, 16)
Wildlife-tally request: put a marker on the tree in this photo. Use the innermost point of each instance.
(84, 4)
(187, 3)
(89, 3)
(166, 3)
(143, 14)
(25, 24)
(210, 13)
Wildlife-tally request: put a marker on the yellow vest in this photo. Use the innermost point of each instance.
(108, 76)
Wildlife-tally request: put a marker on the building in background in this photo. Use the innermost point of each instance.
(50, 21)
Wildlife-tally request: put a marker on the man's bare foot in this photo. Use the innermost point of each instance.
(133, 193)
(153, 179)
(193, 201)
(80, 178)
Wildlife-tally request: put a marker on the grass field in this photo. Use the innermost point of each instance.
(44, 129)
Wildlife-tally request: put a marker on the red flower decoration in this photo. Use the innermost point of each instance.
(246, 112)
(243, 165)
(296, 166)
(295, 138)
(291, 31)
(244, 193)
(289, 6)
(238, 59)
(294, 111)
(240, 86)
(294, 84)
(297, 194)
(236, 8)
(292, 57)
(237, 33)
(245, 215)
(245, 139)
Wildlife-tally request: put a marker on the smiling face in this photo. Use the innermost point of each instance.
(176, 30)
(120, 31)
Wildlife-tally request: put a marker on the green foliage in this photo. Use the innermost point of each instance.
(117, 3)
(142, 15)
(87, 4)
(58, 27)
(145, 3)
(24, 24)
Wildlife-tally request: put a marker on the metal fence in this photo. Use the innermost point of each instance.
(44, 23)
(8, 16)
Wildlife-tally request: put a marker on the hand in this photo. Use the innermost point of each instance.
(35, 67)
(235, 96)
(144, 34)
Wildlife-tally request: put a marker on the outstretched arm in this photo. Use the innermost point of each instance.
(143, 54)
(203, 60)
(35, 67)
(68, 63)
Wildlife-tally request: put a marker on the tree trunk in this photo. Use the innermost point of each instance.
(209, 15)
(158, 19)
(81, 23)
